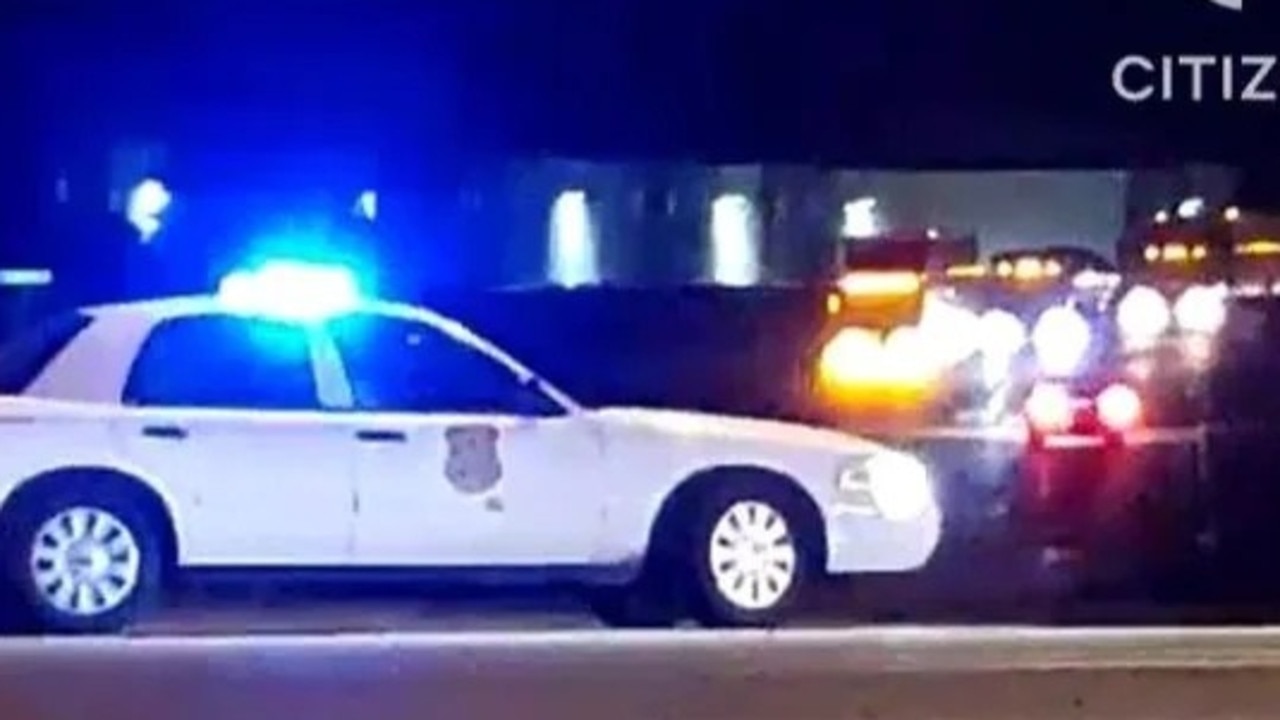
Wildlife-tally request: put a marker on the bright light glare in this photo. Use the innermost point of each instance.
(952, 330)
(853, 355)
(1094, 280)
(860, 220)
(1201, 309)
(1119, 407)
(367, 205)
(1143, 315)
(24, 277)
(908, 356)
(734, 256)
(147, 202)
(291, 290)
(238, 289)
(1001, 333)
(879, 283)
(1028, 268)
(1001, 336)
(1191, 208)
(149, 197)
(573, 256)
(1061, 338)
(1048, 408)
(856, 356)
(899, 485)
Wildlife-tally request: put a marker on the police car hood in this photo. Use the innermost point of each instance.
(688, 425)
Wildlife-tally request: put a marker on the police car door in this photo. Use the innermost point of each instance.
(460, 462)
(226, 412)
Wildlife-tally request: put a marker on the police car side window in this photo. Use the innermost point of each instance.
(23, 357)
(226, 362)
(398, 365)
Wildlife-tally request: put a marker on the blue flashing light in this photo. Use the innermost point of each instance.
(291, 290)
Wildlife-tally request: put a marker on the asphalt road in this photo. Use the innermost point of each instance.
(905, 672)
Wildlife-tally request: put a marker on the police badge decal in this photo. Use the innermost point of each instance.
(472, 465)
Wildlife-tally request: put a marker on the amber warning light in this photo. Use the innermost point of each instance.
(880, 284)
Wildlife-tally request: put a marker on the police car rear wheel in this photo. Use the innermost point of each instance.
(83, 565)
(751, 558)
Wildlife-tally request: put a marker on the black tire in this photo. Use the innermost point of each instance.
(38, 611)
(709, 604)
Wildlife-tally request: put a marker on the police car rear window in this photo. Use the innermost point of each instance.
(26, 354)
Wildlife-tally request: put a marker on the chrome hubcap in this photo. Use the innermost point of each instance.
(85, 561)
(753, 555)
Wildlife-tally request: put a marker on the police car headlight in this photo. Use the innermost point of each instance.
(897, 485)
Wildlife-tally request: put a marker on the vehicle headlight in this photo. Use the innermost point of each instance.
(950, 328)
(897, 485)
(1143, 314)
(1061, 338)
(1000, 333)
(1201, 309)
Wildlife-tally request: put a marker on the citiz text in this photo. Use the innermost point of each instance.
(1198, 78)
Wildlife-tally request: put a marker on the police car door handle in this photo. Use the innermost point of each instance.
(165, 432)
(384, 436)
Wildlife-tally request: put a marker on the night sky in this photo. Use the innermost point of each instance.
(969, 83)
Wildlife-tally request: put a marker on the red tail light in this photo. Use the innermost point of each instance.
(1049, 409)
(1119, 407)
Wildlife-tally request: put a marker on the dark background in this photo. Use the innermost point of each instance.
(914, 82)
(439, 86)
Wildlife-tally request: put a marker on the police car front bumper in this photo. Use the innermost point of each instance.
(860, 541)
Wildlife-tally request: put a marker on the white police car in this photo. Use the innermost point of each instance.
(232, 431)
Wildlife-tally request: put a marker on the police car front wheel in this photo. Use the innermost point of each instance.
(752, 557)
